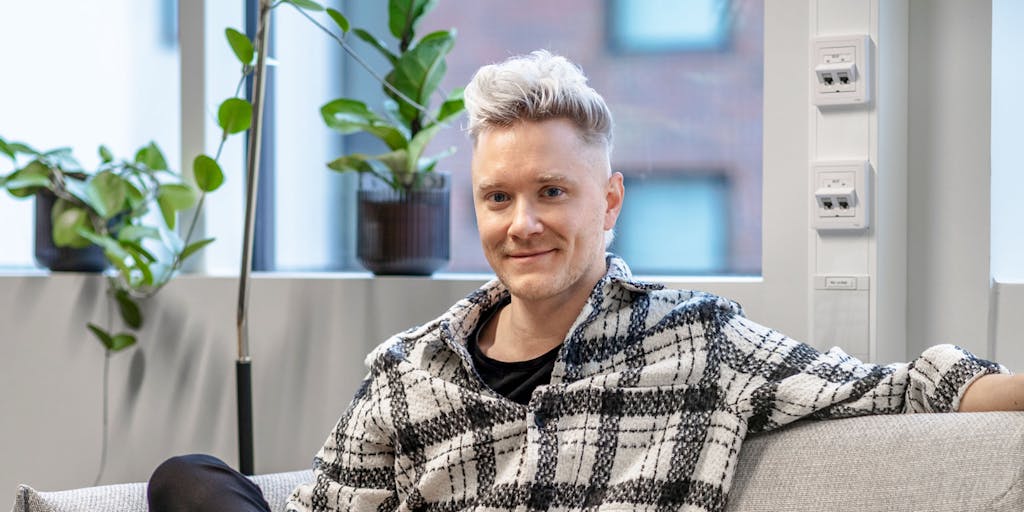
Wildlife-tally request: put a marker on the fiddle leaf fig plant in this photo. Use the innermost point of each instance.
(127, 207)
(408, 124)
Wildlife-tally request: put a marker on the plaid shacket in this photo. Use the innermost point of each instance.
(650, 399)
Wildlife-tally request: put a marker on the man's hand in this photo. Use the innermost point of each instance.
(994, 393)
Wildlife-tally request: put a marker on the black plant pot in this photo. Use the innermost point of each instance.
(66, 259)
(404, 232)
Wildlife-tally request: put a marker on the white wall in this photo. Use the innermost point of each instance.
(949, 164)
(175, 392)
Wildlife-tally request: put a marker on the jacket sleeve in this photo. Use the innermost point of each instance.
(775, 380)
(355, 468)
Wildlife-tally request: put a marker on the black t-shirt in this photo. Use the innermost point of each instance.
(515, 381)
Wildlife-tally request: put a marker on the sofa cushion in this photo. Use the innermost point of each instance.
(132, 497)
(936, 462)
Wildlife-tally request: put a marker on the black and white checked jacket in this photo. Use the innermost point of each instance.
(649, 402)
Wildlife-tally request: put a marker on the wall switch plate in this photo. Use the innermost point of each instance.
(841, 66)
(842, 194)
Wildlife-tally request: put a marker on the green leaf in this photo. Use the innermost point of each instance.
(115, 253)
(420, 70)
(350, 116)
(136, 199)
(234, 115)
(130, 312)
(356, 162)
(419, 143)
(207, 172)
(6, 150)
(105, 155)
(195, 246)
(106, 193)
(376, 43)
(241, 45)
(339, 19)
(151, 156)
(68, 222)
(133, 233)
(105, 338)
(452, 106)
(28, 180)
(172, 198)
(405, 15)
(136, 250)
(308, 5)
(21, 147)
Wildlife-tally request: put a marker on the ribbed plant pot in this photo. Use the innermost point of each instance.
(404, 232)
(62, 259)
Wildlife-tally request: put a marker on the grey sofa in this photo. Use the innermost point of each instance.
(920, 462)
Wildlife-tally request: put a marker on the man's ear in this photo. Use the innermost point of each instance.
(613, 198)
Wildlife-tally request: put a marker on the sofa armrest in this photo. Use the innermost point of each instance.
(132, 497)
(936, 462)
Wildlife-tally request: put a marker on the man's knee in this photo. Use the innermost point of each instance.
(182, 480)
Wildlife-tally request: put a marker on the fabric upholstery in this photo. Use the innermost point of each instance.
(935, 462)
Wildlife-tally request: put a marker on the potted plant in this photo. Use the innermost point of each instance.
(123, 213)
(403, 211)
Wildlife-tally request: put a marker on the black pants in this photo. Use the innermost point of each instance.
(202, 483)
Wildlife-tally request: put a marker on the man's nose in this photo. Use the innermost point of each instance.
(525, 221)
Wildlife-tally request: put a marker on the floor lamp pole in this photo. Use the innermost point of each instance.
(243, 366)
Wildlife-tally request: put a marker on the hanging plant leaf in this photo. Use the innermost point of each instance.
(339, 19)
(104, 155)
(151, 156)
(308, 5)
(113, 343)
(241, 45)
(133, 233)
(172, 198)
(28, 180)
(68, 221)
(207, 172)
(130, 312)
(234, 115)
(106, 193)
(193, 247)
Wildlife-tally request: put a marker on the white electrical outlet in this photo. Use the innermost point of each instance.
(841, 195)
(841, 66)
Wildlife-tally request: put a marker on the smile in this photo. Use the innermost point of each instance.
(525, 257)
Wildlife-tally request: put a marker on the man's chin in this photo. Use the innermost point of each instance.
(531, 286)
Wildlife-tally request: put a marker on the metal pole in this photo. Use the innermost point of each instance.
(243, 366)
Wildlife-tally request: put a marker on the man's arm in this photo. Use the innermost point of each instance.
(355, 468)
(777, 380)
(994, 393)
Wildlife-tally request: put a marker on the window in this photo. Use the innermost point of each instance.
(81, 74)
(677, 114)
(668, 25)
(674, 224)
(1007, 110)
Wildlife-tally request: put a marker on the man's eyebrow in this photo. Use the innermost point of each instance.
(490, 184)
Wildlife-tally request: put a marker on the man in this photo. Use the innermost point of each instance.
(566, 384)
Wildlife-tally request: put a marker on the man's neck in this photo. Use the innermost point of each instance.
(526, 329)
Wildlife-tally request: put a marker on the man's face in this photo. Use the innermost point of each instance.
(543, 201)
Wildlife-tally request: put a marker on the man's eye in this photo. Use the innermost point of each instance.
(553, 192)
(498, 197)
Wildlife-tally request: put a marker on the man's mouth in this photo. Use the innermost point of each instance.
(526, 255)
